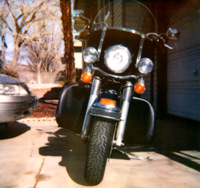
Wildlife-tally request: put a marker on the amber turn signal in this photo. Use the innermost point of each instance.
(108, 102)
(86, 77)
(139, 88)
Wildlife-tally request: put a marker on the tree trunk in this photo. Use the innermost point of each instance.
(17, 49)
(15, 57)
(3, 47)
(39, 73)
(65, 7)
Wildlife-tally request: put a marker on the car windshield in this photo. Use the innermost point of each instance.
(121, 14)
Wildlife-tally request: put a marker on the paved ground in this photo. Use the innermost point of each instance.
(41, 155)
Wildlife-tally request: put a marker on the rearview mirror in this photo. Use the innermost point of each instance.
(77, 13)
(172, 33)
(81, 24)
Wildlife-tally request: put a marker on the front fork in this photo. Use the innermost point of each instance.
(96, 84)
(126, 97)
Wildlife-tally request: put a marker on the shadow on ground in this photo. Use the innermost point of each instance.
(177, 134)
(12, 130)
(71, 148)
(174, 136)
(171, 139)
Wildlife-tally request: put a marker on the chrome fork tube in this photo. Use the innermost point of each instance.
(93, 95)
(127, 93)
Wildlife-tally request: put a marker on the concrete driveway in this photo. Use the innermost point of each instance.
(41, 155)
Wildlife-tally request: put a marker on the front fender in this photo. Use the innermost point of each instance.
(105, 111)
(72, 107)
(140, 121)
(73, 104)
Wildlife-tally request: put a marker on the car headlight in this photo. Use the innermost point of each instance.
(90, 55)
(117, 58)
(145, 66)
(8, 89)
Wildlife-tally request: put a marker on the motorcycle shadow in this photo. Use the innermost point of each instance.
(72, 149)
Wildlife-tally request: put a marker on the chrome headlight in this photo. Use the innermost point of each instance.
(145, 66)
(117, 58)
(90, 55)
(9, 89)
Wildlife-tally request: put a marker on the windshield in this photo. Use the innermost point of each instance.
(126, 14)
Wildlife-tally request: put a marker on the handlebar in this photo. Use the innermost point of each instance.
(158, 37)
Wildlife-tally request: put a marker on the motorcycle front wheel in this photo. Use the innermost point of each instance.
(98, 150)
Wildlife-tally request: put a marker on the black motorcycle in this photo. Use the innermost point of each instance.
(118, 48)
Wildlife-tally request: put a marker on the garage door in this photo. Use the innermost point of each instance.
(183, 87)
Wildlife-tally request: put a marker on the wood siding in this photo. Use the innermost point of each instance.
(183, 70)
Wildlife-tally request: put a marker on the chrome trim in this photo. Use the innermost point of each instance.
(93, 95)
(139, 66)
(88, 68)
(140, 50)
(168, 46)
(122, 29)
(101, 42)
(119, 48)
(126, 97)
(105, 113)
(151, 128)
(115, 76)
(35, 103)
(13, 108)
(104, 116)
(90, 49)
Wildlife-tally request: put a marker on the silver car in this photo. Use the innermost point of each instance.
(16, 100)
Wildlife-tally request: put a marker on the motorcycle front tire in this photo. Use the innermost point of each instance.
(98, 150)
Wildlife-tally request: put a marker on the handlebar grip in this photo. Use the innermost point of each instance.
(167, 46)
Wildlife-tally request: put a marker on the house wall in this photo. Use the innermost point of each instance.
(183, 69)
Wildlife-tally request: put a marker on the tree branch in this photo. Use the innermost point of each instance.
(18, 17)
(10, 10)
(4, 21)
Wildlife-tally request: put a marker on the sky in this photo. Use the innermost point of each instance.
(9, 38)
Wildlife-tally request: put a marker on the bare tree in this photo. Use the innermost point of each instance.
(42, 44)
(22, 15)
(3, 16)
(41, 54)
(65, 7)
